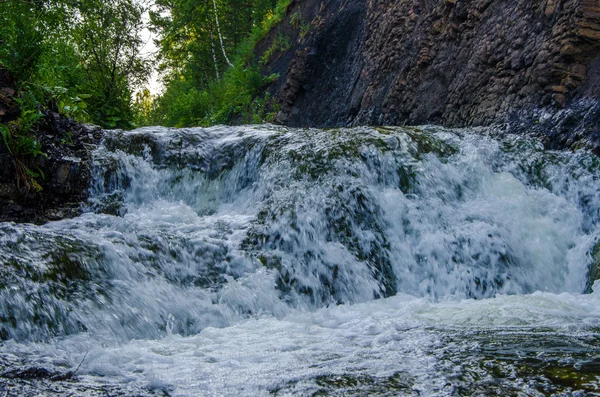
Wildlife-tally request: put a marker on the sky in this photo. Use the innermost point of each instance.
(150, 50)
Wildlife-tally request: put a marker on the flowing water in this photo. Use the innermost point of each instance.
(249, 261)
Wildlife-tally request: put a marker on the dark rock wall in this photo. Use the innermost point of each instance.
(320, 71)
(451, 62)
(64, 170)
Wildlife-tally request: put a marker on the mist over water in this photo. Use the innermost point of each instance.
(273, 261)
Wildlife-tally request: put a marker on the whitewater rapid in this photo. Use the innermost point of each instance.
(271, 261)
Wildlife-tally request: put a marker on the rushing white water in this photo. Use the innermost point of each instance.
(264, 260)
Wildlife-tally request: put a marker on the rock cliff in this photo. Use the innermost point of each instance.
(450, 62)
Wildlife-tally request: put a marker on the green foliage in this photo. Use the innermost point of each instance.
(235, 95)
(259, 31)
(22, 36)
(304, 30)
(280, 44)
(22, 146)
(196, 35)
(298, 22)
(60, 80)
(108, 37)
(183, 105)
(79, 57)
(296, 19)
(143, 108)
(30, 115)
(232, 98)
(201, 89)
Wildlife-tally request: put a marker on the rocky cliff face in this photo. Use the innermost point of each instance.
(451, 62)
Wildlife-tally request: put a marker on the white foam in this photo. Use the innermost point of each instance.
(233, 247)
(255, 356)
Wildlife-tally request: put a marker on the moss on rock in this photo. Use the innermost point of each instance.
(594, 272)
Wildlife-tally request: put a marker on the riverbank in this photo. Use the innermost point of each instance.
(59, 176)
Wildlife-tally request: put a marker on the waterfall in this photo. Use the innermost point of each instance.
(205, 236)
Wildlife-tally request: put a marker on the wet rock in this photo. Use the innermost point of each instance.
(594, 267)
(577, 126)
(456, 63)
(28, 373)
(64, 169)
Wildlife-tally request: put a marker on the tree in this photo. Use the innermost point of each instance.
(21, 37)
(76, 54)
(197, 37)
(206, 56)
(108, 36)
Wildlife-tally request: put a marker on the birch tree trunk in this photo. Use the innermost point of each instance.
(219, 33)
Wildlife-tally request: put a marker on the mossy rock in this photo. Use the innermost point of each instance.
(65, 267)
(397, 384)
(423, 141)
(594, 272)
(572, 378)
(362, 382)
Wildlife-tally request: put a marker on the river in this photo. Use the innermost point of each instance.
(263, 260)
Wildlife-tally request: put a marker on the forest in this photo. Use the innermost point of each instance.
(85, 60)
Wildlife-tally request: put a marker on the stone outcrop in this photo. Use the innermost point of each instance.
(64, 169)
(594, 273)
(450, 62)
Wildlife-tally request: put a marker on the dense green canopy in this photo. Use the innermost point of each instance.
(81, 57)
(84, 58)
(206, 53)
(200, 36)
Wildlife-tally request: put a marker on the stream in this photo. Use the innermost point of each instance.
(271, 261)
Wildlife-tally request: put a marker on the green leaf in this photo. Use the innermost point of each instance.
(7, 137)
